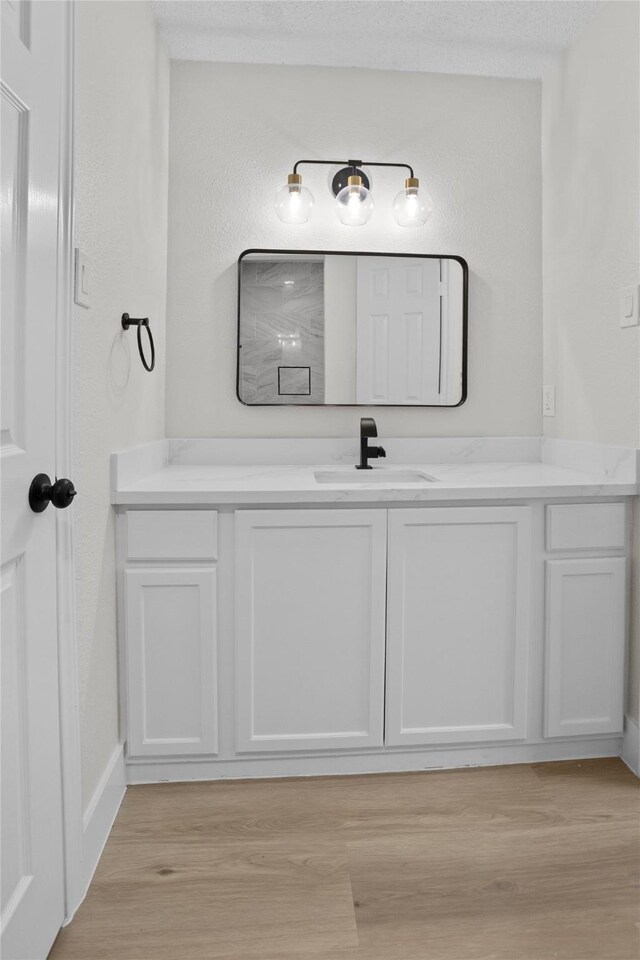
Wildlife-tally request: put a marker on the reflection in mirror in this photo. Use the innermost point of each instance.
(340, 328)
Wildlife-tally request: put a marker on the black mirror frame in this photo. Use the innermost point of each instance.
(366, 253)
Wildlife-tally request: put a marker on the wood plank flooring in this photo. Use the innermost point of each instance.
(531, 862)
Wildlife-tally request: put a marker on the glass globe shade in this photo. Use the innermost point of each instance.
(354, 204)
(294, 203)
(412, 207)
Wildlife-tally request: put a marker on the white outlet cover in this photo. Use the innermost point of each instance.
(629, 306)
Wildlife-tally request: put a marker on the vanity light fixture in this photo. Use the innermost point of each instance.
(350, 186)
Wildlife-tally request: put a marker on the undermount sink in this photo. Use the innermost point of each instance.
(375, 475)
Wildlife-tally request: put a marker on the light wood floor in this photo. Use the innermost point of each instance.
(531, 862)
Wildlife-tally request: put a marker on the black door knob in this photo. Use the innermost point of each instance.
(42, 492)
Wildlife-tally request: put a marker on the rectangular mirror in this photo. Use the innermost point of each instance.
(326, 327)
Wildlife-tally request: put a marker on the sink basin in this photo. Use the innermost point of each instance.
(375, 475)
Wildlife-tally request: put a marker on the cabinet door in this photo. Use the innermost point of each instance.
(585, 646)
(458, 624)
(310, 629)
(171, 661)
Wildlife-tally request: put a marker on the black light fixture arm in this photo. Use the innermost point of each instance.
(355, 164)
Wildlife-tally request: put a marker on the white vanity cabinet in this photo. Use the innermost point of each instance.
(310, 630)
(459, 586)
(269, 640)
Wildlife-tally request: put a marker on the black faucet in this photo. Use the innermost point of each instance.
(368, 429)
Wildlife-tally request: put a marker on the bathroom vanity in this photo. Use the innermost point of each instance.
(281, 614)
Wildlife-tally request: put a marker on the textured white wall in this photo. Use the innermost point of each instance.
(591, 243)
(475, 142)
(121, 171)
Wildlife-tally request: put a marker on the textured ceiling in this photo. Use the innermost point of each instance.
(499, 38)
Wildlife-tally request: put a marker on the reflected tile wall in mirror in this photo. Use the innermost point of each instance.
(282, 324)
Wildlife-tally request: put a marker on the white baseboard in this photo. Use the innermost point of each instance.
(631, 745)
(99, 816)
(388, 761)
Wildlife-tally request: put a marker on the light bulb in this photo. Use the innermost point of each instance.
(354, 203)
(294, 202)
(412, 207)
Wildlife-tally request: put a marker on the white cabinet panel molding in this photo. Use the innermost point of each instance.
(585, 645)
(458, 624)
(171, 661)
(310, 629)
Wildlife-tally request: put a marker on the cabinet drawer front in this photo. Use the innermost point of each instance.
(585, 646)
(172, 534)
(586, 526)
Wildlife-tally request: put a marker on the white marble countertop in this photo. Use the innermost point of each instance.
(158, 478)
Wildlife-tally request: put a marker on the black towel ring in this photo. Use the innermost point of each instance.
(128, 321)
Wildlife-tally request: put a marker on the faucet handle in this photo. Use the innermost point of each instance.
(368, 427)
(375, 452)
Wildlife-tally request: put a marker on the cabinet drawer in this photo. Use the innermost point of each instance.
(172, 535)
(586, 526)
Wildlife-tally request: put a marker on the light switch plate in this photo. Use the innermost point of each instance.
(549, 401)
(629, 306)
(81, 279)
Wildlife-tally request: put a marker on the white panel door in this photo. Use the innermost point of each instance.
(310, 629)
(398, 330)
(585, 646)
(457, 624)
(32, 890)
(171, 661)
